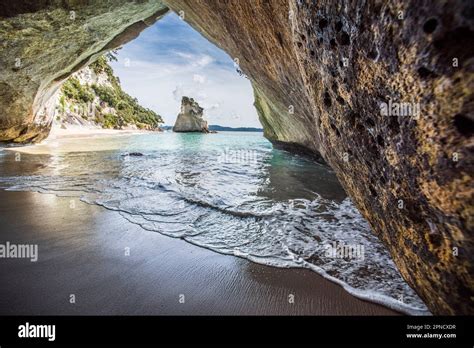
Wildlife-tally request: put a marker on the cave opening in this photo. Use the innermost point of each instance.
(141, 85)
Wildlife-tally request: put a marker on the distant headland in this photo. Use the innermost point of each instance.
(217, 128)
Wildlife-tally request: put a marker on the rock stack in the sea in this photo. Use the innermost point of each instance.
(190, 118)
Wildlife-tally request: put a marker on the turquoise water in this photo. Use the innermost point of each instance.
(230, 192)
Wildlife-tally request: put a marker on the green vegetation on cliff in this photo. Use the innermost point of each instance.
(126, 109)
(74, 90)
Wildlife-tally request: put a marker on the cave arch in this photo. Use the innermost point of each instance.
(293, 63)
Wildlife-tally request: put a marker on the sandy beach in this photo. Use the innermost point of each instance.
(75, 139)
(82, 251)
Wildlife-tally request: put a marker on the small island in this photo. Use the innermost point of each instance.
(190, 118)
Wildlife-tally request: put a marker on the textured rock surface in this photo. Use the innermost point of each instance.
(190, 118)
(43, 42)
(321, 71)
(410, 176)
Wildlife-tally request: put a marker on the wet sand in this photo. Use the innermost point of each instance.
(82, 251)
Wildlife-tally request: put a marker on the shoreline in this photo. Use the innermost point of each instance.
(81, 251)
(71, 135)
(86, 132)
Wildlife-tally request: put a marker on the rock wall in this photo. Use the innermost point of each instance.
(322, 72)
(381, 90)
(391, 88)
(190, 118)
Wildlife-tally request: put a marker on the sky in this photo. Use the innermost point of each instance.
(170, 60)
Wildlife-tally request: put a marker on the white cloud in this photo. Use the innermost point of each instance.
(199, 78)
(178, 93)
(204, 60)
(196, 60)
(184, 55)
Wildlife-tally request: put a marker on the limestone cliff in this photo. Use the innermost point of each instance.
(93, 97)
(190, 118)
(381, 90)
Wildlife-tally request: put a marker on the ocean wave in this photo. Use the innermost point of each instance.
(278, 210)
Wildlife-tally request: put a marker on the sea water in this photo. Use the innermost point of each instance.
(230, 192)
